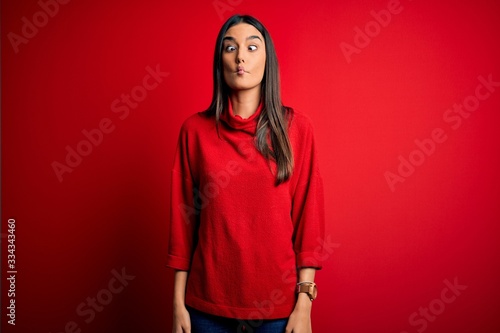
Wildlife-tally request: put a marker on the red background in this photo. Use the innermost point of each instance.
(393, 249)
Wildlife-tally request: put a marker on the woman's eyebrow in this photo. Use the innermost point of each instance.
(254, 37)
(230, 38)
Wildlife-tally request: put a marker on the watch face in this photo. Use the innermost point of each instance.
(313, 293)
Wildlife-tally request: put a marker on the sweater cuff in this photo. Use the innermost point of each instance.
(178, 263)
(308, 260)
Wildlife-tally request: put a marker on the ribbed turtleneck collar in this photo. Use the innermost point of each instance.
(248, 125)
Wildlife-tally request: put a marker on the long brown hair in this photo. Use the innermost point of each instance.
(274, 118)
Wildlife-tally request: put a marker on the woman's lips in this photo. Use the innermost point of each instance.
(240, 70)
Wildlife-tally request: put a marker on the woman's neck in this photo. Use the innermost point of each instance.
(245, 102)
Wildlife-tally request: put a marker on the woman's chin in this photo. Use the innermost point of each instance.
(237, 87)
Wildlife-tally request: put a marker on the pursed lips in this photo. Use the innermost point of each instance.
(240, 70)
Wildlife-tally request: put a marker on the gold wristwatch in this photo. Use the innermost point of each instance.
(309, 288)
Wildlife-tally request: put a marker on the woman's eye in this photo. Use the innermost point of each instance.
(230, 48)
(252, 47)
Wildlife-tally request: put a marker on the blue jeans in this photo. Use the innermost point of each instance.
(202, 322)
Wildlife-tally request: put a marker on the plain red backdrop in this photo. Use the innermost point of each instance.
(392, 248)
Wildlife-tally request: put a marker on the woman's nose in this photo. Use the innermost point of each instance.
(239, 58)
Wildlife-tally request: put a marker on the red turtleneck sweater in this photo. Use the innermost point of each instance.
(241, 237)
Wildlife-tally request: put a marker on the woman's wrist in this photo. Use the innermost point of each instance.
(303, 303)
(179, 303)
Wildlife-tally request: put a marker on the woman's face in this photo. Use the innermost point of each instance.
(243, 57)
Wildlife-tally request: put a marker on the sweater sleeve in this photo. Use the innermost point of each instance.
(183, 210)
(308, 214)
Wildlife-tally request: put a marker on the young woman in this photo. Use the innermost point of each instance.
(247, 211)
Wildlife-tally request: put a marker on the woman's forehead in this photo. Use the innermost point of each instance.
(243, 31)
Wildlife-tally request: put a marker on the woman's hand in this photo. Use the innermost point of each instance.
(300, 319)
(182, 322)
